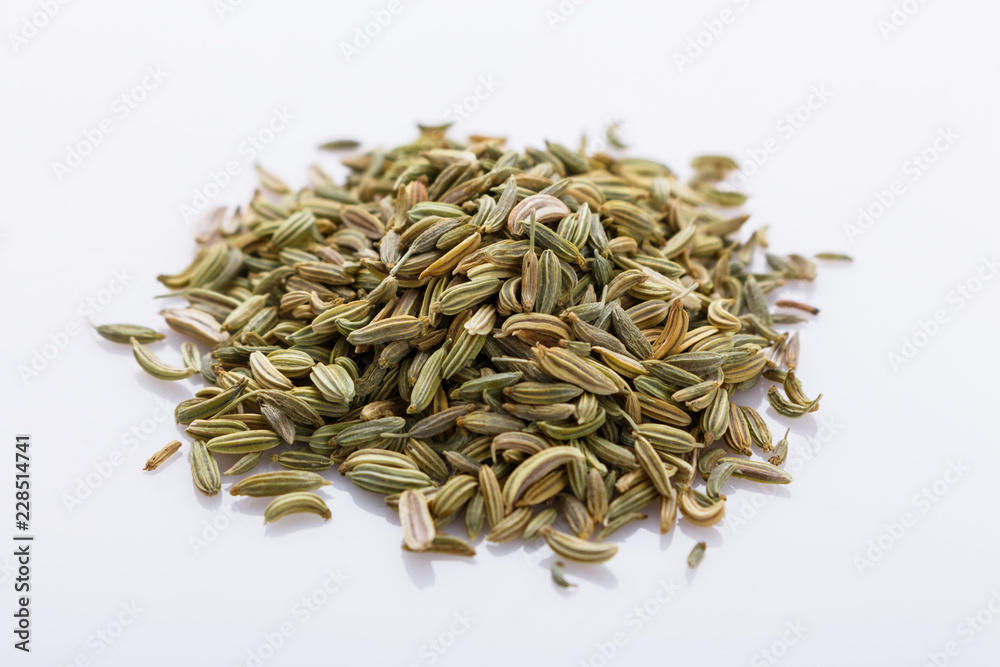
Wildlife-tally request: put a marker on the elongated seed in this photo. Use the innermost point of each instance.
(415, 516)
(296, 503)
(162, 455)
(277, 483)
(575, 549)
(204, 469)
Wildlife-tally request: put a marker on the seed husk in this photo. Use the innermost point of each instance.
(418, 525)
(780, 451)
(162, 455)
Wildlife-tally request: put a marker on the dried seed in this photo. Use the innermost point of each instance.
(511, 526)
(162, 455)
(123, 333)
(204, 469)
(696, 513)
(295, 503)
(150, 363)
(448, 545)
(780, 451)
(697, 553)
(246, 463)
(590, 351)
(305, 461)
(756, 471)
(415, 517)
(575, 549)
(243, 442)
(558, 571)
(277, 483)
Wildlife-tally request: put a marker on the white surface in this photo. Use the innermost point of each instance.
(793, 559)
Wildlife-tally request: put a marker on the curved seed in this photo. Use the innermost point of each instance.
(150, 363)
(534, 468)
(448, 545)
(575, 549)
(246, 463)
(695, 513)
(296, 503)
(756, 471)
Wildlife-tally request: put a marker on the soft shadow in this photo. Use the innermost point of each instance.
(738, 485)
(711, 536)
(172, 392)
(667, 539)
(505, 548)
(172, 460)
(372, 503)
(207, 502)
(420, 568)
(294, 523)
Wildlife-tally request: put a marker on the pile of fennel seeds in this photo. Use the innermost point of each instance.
(538, 345)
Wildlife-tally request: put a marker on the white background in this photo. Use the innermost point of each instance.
(783, 558)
